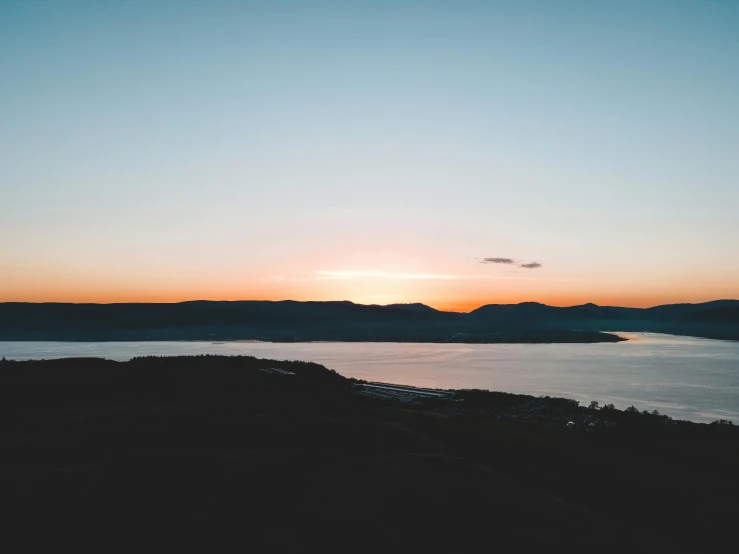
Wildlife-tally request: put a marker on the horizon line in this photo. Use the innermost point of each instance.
(374, 304)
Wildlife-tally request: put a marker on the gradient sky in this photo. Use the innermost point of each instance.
(373, 151)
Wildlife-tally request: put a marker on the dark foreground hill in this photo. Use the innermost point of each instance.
(216, 454)
(346, 321)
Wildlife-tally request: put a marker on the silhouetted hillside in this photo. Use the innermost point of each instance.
(101, 454)
(716, 319)
(345, 321)
(726, 314)
(416, 306)
(261, 320)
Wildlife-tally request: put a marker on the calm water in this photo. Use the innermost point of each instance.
(686, 378)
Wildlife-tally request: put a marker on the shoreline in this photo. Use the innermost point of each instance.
(155, 443)
(412, 398)
(606, 337)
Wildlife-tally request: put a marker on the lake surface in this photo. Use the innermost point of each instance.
(684, 377)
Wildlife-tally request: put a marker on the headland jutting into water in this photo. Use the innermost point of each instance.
(293, 457)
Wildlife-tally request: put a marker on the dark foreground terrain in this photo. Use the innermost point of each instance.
(218, 455)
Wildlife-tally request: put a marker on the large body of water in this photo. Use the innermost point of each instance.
(684, 377)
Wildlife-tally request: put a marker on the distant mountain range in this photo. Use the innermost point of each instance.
(293, 321)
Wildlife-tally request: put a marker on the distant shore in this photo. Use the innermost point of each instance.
(590, 338)
(290, 321)
(538, 337)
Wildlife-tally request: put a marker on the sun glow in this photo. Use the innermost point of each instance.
(375, 274)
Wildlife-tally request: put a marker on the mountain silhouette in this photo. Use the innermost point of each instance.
(290, 320)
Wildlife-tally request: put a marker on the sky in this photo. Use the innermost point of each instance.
(455, 153)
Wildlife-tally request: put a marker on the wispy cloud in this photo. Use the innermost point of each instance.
(510, 261)
(507, 261)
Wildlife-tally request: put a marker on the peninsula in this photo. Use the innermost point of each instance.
(293, 457)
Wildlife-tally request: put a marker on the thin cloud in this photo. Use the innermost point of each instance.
(507, 261)
(510, 261)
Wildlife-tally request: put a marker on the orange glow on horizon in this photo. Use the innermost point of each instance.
(443, 288)
(460, 305)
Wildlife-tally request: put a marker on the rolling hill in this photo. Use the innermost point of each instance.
(346, 321)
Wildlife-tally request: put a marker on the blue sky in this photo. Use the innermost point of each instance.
(174, 150)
